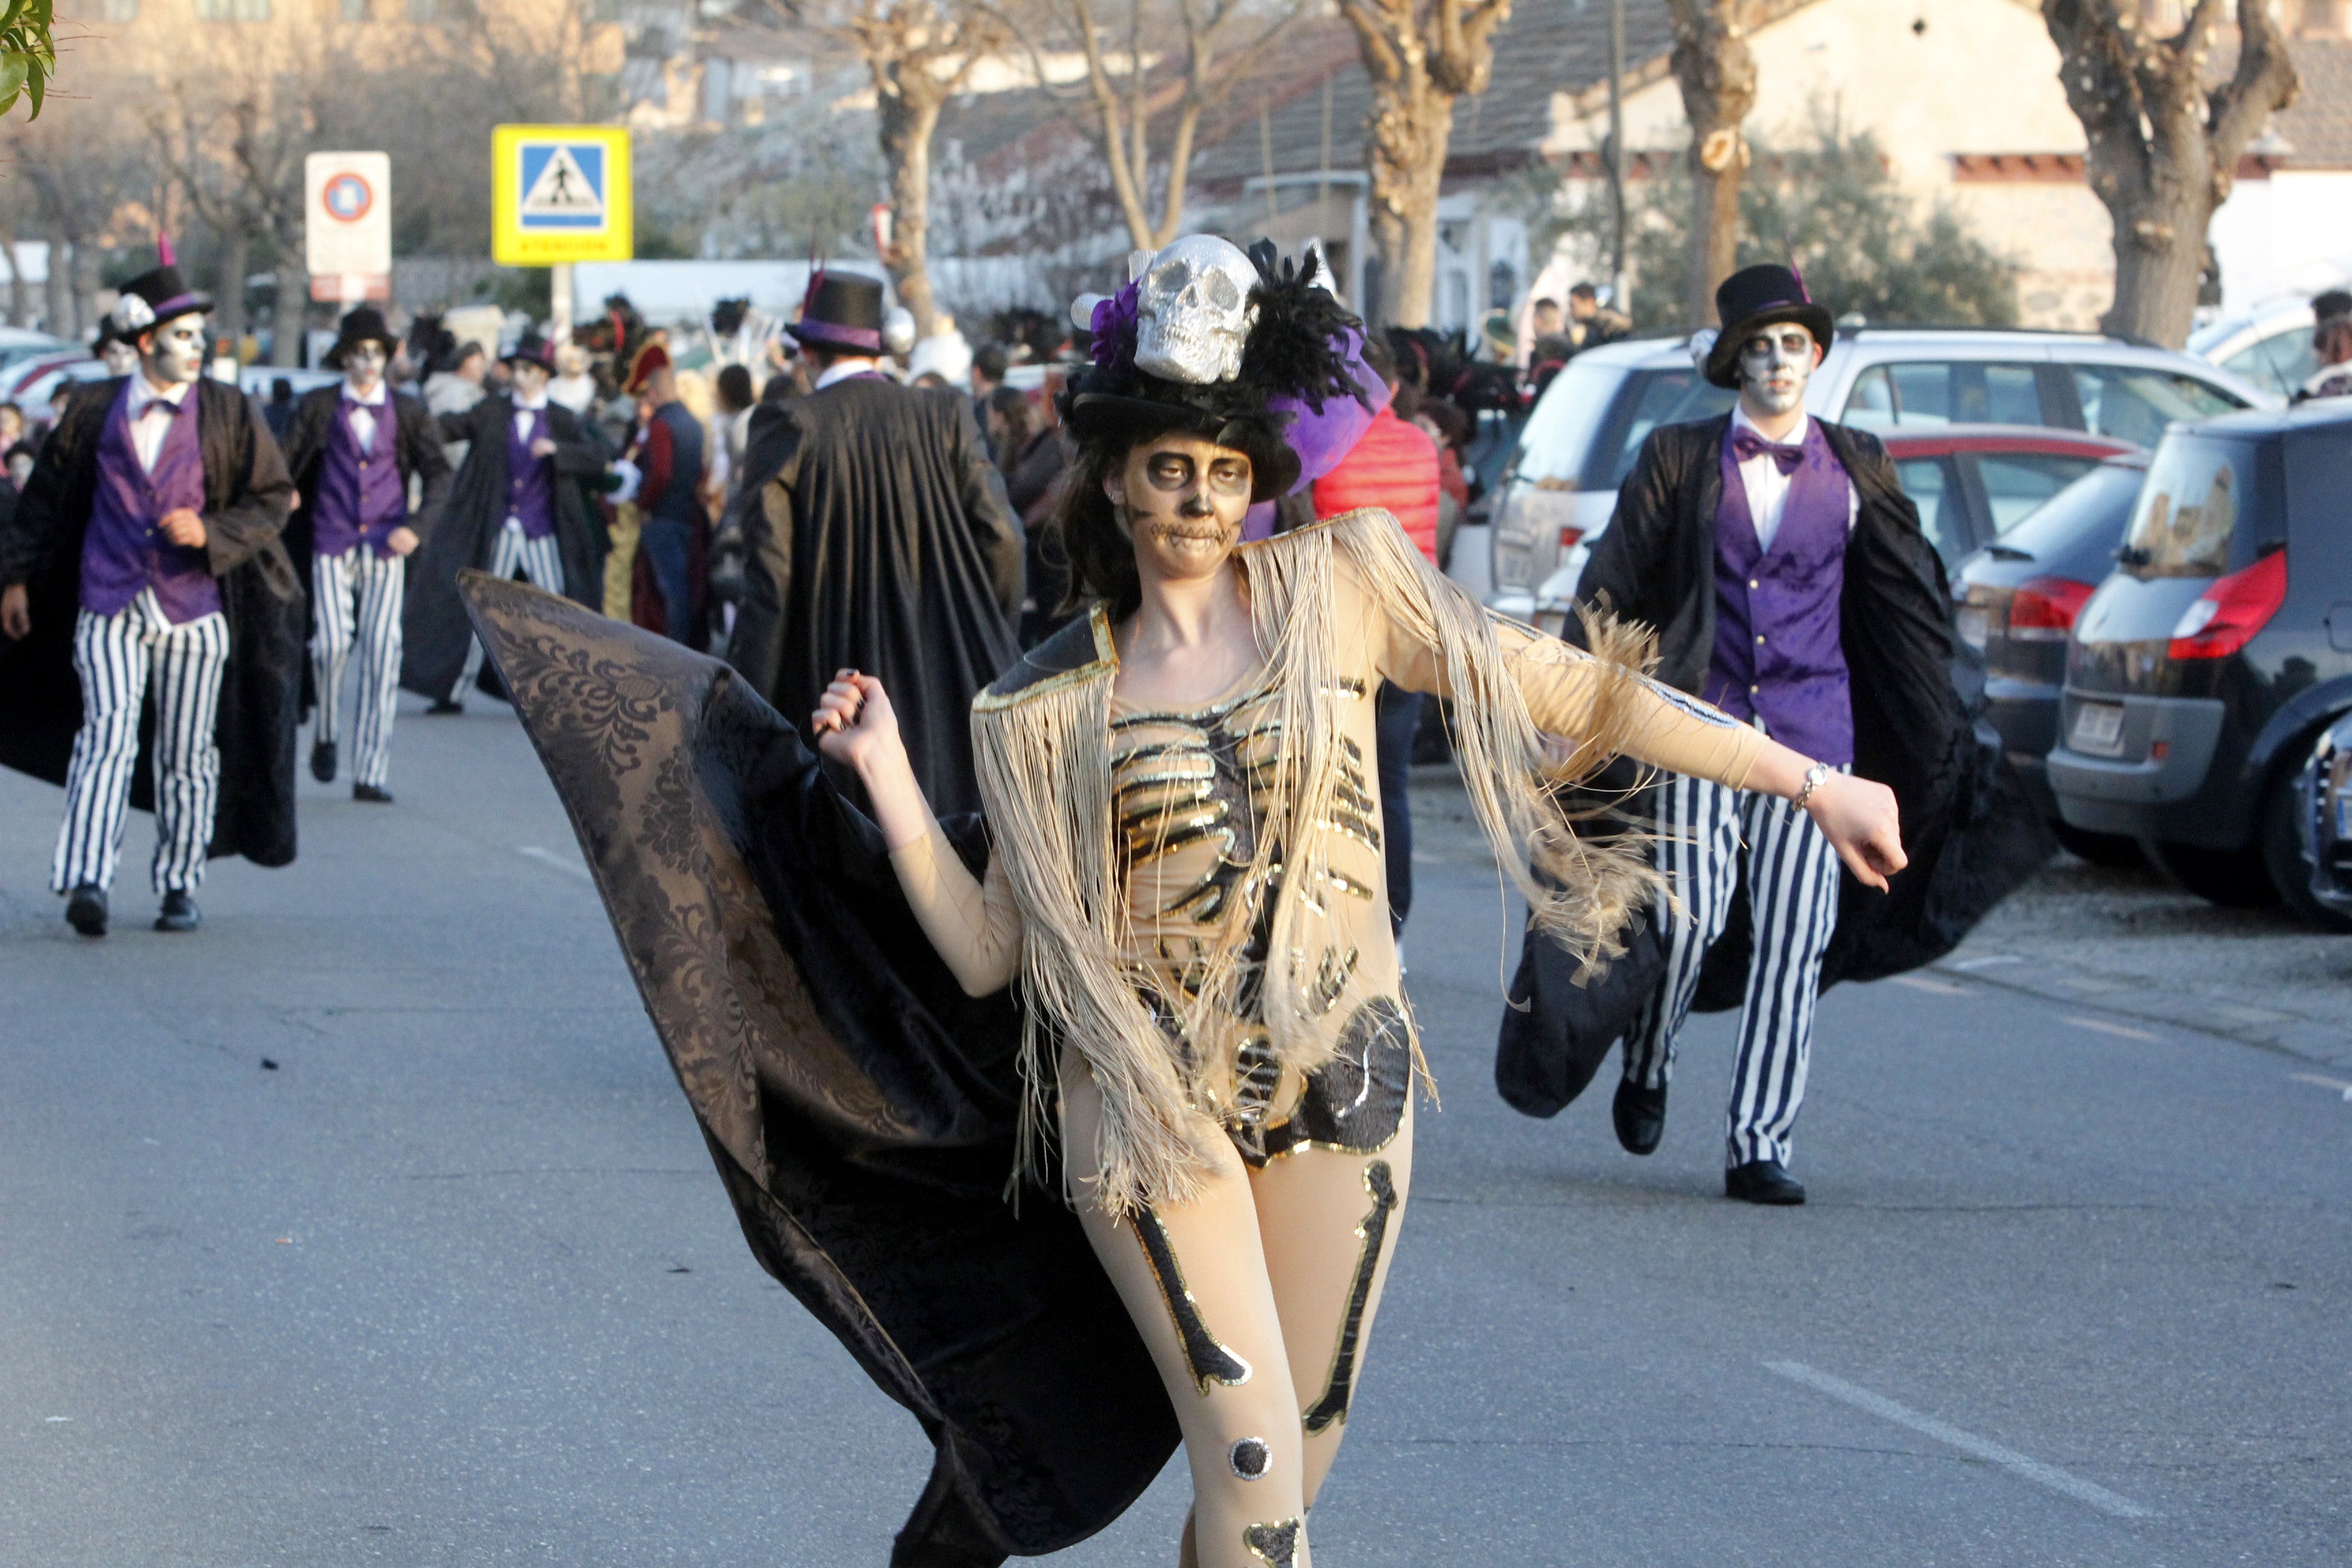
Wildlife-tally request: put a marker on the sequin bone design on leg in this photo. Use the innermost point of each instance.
(1331, 1409)
(1275, 1544)
(1206, 1357)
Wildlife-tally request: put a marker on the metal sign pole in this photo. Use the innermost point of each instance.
(559, 302)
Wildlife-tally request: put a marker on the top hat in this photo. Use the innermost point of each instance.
(531, 348)
(153, 298)
(363, 325)
(843, 312)
(1755, 297)
(650, 358)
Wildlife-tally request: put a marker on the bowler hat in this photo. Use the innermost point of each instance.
(1755, 297)
(843, 312)
(363, 325)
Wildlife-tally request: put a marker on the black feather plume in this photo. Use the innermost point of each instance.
(1299, 346)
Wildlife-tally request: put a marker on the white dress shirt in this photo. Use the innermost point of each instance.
(1767, 487)
(363, 413)
(151, 413)
(843, 369)
(526, 414)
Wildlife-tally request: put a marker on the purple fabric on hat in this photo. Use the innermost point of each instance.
(1112, 328)
(835, 333)
(1322, 436)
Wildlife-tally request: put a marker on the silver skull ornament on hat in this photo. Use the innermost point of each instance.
(1194, 311)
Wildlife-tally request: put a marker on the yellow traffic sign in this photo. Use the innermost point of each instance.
(558, 193)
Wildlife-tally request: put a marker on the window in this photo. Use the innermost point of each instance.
(354, 10)
(1929, 482)
(2187, 518)
(232, 10)
(1946, 391)
(2016, 483)
(1871, 404)
(2282, 361)
(424, 10)
(2136, 404)
(1651, 399)
(118, 10)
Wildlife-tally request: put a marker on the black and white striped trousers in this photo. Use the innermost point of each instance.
(541, 564)
(119, 657)
(1707, 836)
(358, 594)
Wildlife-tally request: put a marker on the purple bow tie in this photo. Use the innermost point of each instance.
(1747, 445)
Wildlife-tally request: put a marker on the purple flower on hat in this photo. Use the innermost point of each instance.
(1113, 329)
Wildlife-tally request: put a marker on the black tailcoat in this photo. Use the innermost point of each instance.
(1968, 827)
(860, 1107)
(433, 623)
(247, 494)
(880, 541)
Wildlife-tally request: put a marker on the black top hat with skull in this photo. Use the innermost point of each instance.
(155, 297)
(1202, 339)
(363, 325)
(1755, 297)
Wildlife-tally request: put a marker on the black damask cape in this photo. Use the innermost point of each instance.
(859, 1107)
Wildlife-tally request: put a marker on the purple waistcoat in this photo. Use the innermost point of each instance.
(1778, 652)
(531, 481)
(361, 497)
(123, 549)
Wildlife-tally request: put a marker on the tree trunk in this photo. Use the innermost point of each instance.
(60, 288)
(1411, 126)
(2161, 144)
(286, 325)
(228, 294)
(15, 281)
(1717, 73)
(85, 283)
(909, 113)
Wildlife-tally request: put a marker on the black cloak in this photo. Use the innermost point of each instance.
(880, 539)
(860, 1107)
(434, 628)
(247, 494)
(1969, 830)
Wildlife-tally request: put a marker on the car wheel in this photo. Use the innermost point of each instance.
(2233, 879)
(2282, 846)
(2111, 850)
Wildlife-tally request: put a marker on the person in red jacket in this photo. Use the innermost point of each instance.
(1393, 465)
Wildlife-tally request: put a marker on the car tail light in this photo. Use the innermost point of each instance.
(2227, 615)
(2044, 608)
(1569, 536)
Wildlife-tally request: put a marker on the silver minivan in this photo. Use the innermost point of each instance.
(1583, 438)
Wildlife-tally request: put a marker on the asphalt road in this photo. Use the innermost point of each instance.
(452, 1283)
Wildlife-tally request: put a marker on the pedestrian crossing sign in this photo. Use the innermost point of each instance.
(558, 193)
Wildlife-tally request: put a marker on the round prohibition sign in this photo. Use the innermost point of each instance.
(347, 197)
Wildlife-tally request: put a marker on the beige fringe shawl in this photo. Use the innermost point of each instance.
(1044, 759)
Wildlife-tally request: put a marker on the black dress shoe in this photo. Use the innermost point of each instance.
(1640, 1115)
(322, 761)
(179, 913)
(86, 911)
(1763, 1182)
(444, 705)
(375, 793)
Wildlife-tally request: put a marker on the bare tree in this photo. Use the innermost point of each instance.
(1127, 92)
(2163, 146)
(1421, 57)
(1717, 72)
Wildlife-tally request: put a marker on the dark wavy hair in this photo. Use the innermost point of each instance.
(1086, 526)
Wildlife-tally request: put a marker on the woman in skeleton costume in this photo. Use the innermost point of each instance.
(1185, 872)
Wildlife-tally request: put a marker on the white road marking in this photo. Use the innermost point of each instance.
(2010, 1459)
(562, 863)
(2335, 1083)
(2103, 1028)
(1986, 962)
(1921, 982)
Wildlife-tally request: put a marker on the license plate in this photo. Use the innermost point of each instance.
(1976, 626)
(2099, 728)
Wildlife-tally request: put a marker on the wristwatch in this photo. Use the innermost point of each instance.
(1813, 778)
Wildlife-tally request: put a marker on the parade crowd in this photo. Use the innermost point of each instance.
(1155, 595)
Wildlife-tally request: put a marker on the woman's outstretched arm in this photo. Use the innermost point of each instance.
(975, 926)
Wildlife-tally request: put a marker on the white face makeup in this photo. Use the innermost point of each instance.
(118, 357)
(1180, 502)
(1774, 366)
(364, 364)
(174, 353)
(529, 379)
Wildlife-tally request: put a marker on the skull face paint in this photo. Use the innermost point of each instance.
(1180, 499)
(174, 351)
(363, 365)
(1194, 311)
(1774, 366)
(118, 357)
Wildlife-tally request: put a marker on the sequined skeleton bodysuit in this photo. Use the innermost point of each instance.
(1189, 788)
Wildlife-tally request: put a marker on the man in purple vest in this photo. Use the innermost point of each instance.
(354, 450)
(516, 508)
(148, 536)
(1734, 539)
